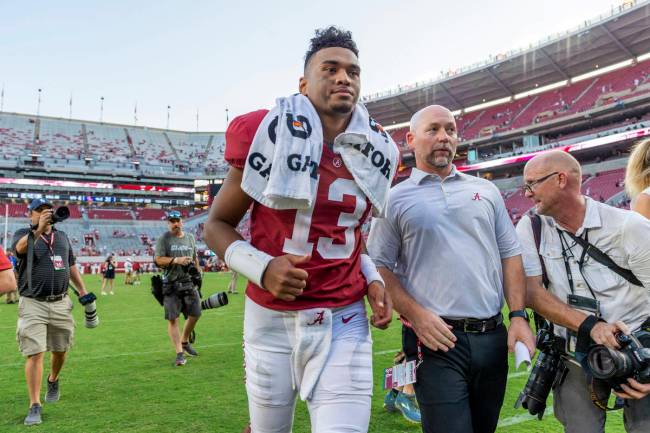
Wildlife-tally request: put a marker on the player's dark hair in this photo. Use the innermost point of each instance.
(328, 38)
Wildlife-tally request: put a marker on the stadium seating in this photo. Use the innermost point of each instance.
(60, 140)
(108, 143)
(604, 185)
(609, 88)
(152, 146)
(16, 136)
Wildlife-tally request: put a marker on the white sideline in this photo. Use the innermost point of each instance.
(518, 419)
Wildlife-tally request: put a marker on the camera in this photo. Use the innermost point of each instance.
(90, 309)
(548, 372)
(195, 275)
(215, 301)
(60, 214)
(616, 366)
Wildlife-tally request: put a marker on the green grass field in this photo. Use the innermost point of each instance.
(119, 377)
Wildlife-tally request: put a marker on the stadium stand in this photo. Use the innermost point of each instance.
(581, 96)
(16, 136)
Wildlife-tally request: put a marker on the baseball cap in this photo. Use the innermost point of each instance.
(174, 214)
(38, 202)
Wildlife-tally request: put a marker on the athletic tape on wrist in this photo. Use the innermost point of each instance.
(369, 270)
(244, 258)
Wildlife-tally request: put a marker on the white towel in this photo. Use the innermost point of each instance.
(313, 341)
(281, 170)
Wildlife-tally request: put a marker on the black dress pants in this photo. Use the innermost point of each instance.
(462, 390)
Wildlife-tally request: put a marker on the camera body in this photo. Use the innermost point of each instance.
(616, 366)
(549, 370)
(60, 214)
(195, 275)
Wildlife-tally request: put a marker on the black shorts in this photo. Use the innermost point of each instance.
(184, 299)
(109, 275)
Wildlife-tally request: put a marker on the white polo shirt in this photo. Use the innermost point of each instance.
(621, 234)
(444, 239)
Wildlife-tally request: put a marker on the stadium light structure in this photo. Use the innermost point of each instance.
(169, 107)
(38, 103)
(101, 110)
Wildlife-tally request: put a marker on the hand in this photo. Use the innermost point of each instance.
(82, 291)
(183, 261)
(380, 304)
(605, 333)
(519, 330)
(634, 390)
(283, 278)
(432, 331)
(44, 220)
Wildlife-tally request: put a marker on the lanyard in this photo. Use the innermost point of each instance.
(566, 250)
(49, 244)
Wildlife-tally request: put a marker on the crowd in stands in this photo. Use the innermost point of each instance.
(65, 143)
(610, 88)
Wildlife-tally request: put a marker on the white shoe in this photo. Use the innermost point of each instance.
(112, 293)
(103, 294)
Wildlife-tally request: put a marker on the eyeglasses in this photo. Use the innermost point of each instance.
(530, 186)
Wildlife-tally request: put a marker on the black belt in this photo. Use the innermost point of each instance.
(476, 325)
(51, 298)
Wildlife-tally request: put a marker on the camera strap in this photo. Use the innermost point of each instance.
(605, 260)
(30, 260)
(599, 392)
(536, 223)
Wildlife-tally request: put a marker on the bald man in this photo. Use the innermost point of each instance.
(608, 303)
(449, 256)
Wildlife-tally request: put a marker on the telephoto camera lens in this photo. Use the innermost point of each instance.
(547, 371)
(91, 315)
(90, 309)
(606, 363)
(215, 301)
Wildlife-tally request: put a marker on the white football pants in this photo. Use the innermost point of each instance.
(340, 402)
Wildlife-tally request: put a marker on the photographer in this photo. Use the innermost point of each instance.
(589, 302)
(45, 321)
(7, 277)
(176, 255)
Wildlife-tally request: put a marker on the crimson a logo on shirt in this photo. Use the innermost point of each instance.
(318, 318)
(476, 197)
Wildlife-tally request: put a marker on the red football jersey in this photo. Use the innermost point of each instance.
(330, 231)
(5, 263)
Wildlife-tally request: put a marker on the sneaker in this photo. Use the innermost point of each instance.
(180, 359)
(103, 294)
(34, 415)
(409, 407)
(389, 400)
(112, 293)
(53, 393)
(187, 348)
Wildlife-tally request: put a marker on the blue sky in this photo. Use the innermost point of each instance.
(213, 55)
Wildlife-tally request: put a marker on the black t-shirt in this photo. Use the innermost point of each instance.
(48, 249)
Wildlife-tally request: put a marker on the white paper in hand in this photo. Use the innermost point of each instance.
(521, 355)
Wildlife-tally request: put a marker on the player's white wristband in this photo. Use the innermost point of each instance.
(369, 270)
(244, 258)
